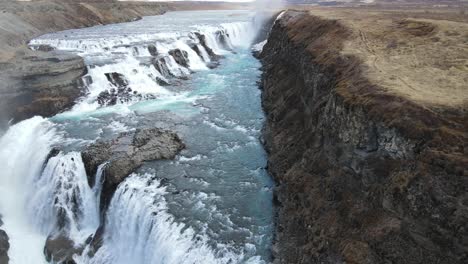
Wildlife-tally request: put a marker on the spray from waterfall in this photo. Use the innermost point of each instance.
(264, 11)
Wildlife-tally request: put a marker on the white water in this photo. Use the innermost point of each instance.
(144, 232)
(34, 195)
(62, 192)
(23, 151)
(127, 55)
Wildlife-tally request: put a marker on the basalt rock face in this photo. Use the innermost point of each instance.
(363, 176)
(40, 83)
(127, 153)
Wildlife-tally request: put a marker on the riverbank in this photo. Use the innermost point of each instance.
(366, 133)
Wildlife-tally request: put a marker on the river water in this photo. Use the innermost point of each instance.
(212, 204)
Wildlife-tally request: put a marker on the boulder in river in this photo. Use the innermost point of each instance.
(125, 154)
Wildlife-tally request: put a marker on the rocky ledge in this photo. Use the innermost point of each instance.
(40, 83)
(363, 176)
(126, 153)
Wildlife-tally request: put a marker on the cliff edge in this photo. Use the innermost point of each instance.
(371, 163)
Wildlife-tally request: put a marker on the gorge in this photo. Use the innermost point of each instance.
(157, 161)
(215, 137)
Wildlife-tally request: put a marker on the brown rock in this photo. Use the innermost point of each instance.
(127, 153)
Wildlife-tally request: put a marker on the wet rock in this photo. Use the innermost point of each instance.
(126, 153)
(160, 63)
(4, 245)
(40, 83)
(202, 39)
(61, 249)
(213, 64)
(45, 48)
(117, 79)
(152, 50)
(180, 56)
(121, 93)
(161, 66)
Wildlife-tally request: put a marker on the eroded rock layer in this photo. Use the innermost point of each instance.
(363, 176)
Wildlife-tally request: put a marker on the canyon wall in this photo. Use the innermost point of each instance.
(363, 176)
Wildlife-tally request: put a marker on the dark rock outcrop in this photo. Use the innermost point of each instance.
(363, 176)
(61, 249)
(180, 56)
(41, 83)
(160, 65)
(4, 245)
(152, 50)
(121, 93)
(127, 153)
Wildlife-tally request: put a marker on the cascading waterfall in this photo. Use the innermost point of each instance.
(143, 232)
(24, 149)
(143, 75)
(43, 194)
(64, 200)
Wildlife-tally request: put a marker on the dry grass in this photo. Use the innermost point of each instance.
(416, 55)
(394, 67)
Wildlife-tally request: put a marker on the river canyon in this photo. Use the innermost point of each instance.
(158, 161)
(154, 133)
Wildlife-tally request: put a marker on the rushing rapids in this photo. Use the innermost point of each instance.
(191, 72)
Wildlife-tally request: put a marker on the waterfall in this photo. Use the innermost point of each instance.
(37, 200)
(44, 192)
(145, 62)
(23, 151)
(139, 229)
(63, 199)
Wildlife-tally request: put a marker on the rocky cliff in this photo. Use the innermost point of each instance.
(40, 83)
(364, 176)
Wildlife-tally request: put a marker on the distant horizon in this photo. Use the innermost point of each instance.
(230, 1)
